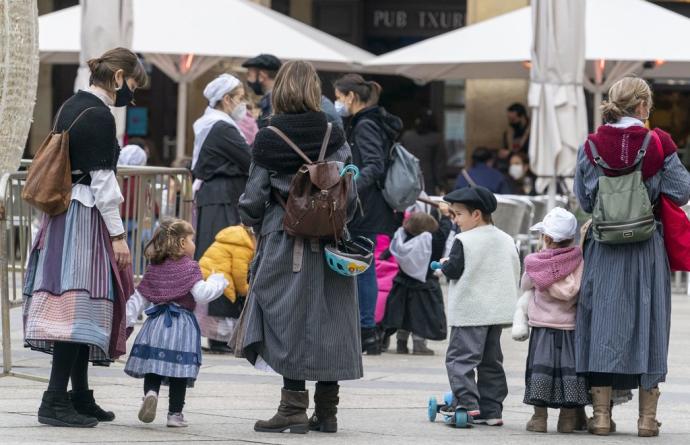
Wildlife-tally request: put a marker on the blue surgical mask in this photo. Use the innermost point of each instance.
(341, 109)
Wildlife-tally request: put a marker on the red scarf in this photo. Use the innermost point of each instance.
(619, 148)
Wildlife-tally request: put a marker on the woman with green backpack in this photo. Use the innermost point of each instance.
(624, 311)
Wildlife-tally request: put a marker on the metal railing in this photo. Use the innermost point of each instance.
(151, 193)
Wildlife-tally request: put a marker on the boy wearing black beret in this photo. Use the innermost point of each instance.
(484, 272)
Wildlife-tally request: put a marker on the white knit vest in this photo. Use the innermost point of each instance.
(487, 292)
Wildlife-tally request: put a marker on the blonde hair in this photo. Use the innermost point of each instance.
(167, 241)
(624, 97)
(297, 89)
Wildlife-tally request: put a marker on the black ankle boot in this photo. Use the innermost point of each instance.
(85, 404)
(57, 410)
(325, 408)
(371, 343)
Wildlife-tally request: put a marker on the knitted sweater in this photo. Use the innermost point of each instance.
(92, 141)
(554, 276)
(486, 293)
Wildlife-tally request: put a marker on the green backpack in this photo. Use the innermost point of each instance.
(622, 213)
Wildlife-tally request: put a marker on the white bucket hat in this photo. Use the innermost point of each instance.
(559, 224)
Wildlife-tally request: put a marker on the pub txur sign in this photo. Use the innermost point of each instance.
(427, 19)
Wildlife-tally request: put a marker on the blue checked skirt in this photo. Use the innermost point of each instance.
(169, 345)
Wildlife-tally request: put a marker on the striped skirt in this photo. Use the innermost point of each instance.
(70, 290)
(168, 345)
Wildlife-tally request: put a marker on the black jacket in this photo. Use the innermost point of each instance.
(371, 133)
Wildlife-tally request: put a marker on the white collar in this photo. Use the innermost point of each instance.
(627, 121)
(101, 94)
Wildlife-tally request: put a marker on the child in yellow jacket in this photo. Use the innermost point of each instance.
(230, 254)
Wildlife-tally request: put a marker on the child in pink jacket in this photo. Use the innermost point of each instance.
(551, 283)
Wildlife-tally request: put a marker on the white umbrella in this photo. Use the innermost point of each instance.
(185, 38)
(104, 25)
(621, 35)
(559, 118)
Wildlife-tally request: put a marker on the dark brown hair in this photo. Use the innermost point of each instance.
(367, 92)
(103, 68)
(486, 217)
(297, 89)
(167, 240)
(420, 222)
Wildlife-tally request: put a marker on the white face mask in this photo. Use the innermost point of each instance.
(516, 171)
(239, 112)
(341, 109)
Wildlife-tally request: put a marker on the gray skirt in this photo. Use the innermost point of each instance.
(551, 379)
(624, 312)
(305, 325)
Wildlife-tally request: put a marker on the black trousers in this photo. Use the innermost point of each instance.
(176, 395)
(70, 362)
(300, 385)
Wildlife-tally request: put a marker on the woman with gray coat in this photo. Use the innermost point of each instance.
(624, 310)
(302, 318)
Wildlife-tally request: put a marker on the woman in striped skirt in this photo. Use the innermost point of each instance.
(168, 347)
(624, 311)
(301, 317)
(79, 275)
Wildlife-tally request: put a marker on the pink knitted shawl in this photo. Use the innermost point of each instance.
(552, 265)
(171, 281)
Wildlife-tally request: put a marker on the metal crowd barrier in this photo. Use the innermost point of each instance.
(151, 194)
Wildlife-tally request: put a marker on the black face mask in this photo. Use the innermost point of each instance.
(123, 96)
(256, 87)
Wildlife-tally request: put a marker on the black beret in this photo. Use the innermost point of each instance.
(477, 197)
(263, 62)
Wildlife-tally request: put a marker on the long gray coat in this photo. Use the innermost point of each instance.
(305, 325)
(624, 310)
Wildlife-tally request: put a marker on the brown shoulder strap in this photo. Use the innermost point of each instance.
(326, 139)
(57, 116)
(291, 144)
(79, 117)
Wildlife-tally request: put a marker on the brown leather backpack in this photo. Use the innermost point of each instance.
(48, 185)
(317, 201)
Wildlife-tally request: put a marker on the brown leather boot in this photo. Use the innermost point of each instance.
(291, 415)
(325, 408)
(600, 424)
(538, 422)
(567, 420)
(582, 419)
(647, 425)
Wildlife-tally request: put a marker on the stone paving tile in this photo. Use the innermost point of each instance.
(388, 406)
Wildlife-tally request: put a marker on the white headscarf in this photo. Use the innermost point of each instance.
(132, 155)
(214, 92)
(219, 87)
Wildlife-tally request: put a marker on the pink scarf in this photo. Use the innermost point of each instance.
(552, 265)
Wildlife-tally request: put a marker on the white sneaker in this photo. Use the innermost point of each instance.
(489, 422)
(147, 412)
(176, 420)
